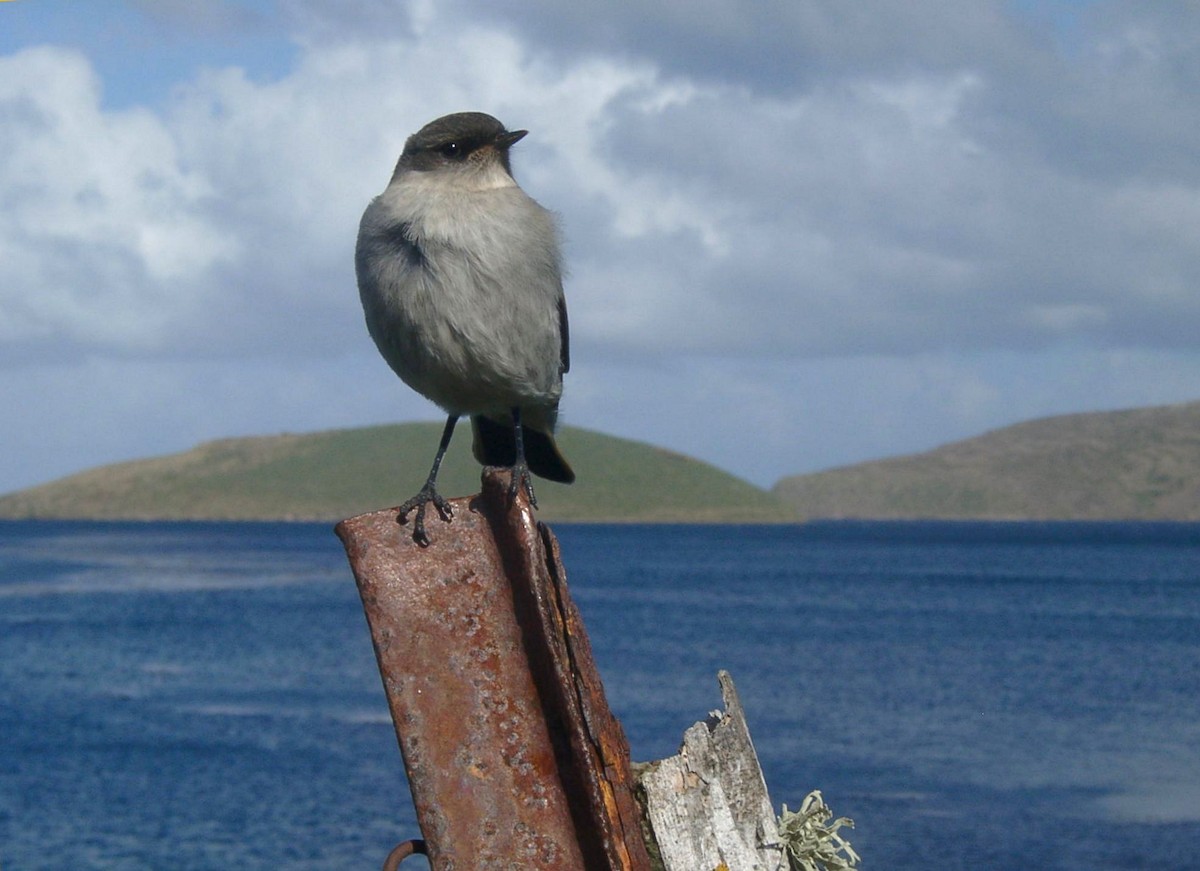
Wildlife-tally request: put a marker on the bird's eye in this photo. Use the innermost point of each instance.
(451, 149)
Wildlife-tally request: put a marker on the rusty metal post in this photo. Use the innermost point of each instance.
(514, 759)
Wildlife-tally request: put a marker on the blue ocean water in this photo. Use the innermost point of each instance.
(977, 696)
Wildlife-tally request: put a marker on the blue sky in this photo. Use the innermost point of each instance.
(799, 235)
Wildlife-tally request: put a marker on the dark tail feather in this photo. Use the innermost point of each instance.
(494, 445)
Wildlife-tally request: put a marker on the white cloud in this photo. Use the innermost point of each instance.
(860, 215)
(100, 234)
(862, 191)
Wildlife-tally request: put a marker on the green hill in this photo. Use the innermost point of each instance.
(1142, 464)
(331, 475)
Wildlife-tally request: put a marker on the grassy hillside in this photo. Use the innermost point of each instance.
(331, 475)
(1140, 464)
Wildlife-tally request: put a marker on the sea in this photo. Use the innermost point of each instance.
(972, 695)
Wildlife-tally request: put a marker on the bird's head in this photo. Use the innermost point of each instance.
(462, 146)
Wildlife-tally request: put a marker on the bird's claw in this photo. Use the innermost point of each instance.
(521, 480)
(428, 494)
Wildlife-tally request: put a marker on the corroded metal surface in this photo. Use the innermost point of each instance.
(513, 757)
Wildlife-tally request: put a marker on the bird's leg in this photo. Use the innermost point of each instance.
(428, 493)
(521, 479)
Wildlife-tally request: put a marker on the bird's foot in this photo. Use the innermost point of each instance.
(420, 501)
(522, 479)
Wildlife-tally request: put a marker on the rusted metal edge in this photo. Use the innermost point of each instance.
(513, 756)
(595, 759)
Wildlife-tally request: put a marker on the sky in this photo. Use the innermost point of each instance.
(799, 233)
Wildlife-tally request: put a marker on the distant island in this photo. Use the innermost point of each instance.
(336, 474)
(1140, 464)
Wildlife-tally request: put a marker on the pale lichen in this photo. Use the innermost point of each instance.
(811, 841)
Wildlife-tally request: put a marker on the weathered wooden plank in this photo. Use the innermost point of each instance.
(708, 806)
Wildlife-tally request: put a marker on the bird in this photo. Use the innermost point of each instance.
(460, 276)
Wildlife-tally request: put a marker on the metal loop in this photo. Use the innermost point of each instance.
(402, 851)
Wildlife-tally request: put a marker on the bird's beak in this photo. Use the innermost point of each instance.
(507, 140)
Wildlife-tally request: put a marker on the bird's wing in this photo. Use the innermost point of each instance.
(564, 333)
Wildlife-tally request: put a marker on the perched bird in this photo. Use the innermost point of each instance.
(460, 277)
